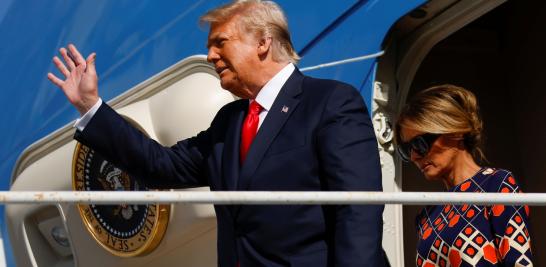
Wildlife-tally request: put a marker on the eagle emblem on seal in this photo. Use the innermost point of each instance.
(125, 230)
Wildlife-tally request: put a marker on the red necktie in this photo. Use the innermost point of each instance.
(250, 127)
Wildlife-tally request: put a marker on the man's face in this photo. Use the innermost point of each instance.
(235, 57)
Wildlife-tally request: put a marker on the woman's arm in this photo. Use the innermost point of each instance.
(510, 225)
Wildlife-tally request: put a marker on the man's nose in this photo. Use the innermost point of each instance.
(212, 55)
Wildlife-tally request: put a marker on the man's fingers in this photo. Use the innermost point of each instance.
(76, 54)
(62, 68)
(91, 63)
(69, 61)
(55, 80)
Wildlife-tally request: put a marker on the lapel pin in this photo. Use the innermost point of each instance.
(284, 109)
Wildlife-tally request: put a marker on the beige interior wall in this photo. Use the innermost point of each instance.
(500, 57)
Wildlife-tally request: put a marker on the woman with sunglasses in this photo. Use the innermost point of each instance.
(440, 131)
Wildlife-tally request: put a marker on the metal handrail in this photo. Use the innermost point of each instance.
(269, 198)
(344, 61)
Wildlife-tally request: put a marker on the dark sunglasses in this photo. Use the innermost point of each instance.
(420, 144)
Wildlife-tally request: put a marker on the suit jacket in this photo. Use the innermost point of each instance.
(324, 141)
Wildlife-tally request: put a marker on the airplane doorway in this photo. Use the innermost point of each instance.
(498, 55)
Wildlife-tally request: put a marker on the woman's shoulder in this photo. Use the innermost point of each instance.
(498, 180)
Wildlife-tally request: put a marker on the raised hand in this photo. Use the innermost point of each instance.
(80, 84)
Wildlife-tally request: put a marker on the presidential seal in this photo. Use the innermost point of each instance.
(126, 230)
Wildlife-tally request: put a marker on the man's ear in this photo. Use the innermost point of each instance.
(264, 46)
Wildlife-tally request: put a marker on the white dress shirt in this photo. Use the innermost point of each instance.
(84, 120)
(271, 89)
(265, 97)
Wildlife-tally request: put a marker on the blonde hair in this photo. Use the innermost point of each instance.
(444, 109)
(263, 19)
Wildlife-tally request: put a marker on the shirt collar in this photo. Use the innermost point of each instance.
(271, 89)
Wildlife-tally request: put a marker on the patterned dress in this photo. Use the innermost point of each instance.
(471, 235)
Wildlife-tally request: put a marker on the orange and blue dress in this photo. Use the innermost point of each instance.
(473, 235)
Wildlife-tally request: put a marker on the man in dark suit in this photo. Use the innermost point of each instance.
(289, 132)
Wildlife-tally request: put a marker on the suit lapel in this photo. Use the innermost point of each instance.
(283, 106)
(230, 155)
